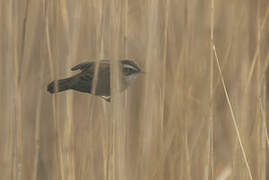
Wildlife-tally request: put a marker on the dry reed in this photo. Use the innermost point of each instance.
(199, 112)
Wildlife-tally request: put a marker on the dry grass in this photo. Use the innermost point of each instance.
(200, 111)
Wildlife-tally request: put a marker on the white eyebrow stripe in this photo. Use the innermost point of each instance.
(129, 66)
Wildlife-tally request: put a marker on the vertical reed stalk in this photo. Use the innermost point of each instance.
(18, 149)
(211, 111)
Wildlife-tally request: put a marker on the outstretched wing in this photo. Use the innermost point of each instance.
(83, 66)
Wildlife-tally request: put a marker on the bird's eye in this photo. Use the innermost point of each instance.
(129, 70)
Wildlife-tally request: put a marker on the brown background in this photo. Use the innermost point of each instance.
(174, 122)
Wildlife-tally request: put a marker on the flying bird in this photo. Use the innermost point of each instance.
(83, 81)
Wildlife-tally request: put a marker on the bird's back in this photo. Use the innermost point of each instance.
(84, 81)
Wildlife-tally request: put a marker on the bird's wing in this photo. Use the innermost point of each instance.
(83, 66)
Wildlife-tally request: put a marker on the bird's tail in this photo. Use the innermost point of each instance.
(59, 85)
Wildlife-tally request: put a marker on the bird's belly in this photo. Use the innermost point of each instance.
(102, 88)
(83, 88)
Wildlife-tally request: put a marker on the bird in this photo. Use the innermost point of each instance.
(83, 81)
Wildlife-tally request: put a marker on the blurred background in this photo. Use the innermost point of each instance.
(199, 112)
